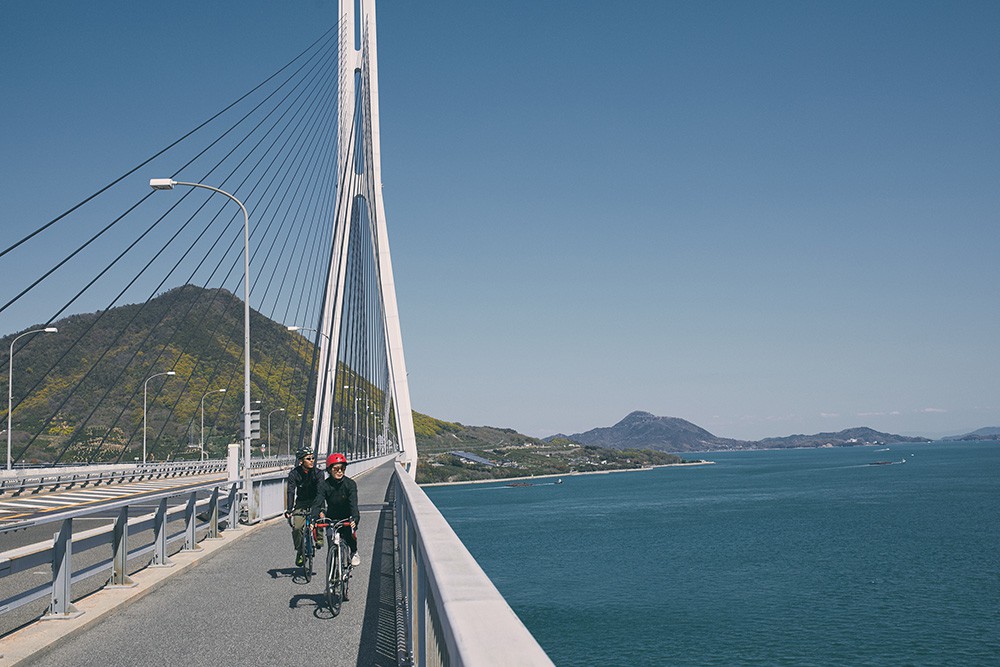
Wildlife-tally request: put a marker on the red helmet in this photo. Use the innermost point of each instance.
(335, 458)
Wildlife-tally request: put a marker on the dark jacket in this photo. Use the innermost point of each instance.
(337, 499)
(300, 493)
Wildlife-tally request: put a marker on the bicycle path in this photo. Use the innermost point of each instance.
(249, 605)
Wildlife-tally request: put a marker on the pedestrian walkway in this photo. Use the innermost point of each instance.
(249, 605)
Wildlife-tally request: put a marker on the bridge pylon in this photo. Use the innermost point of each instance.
(362, 401)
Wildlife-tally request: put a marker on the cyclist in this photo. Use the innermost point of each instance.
(303, 482)
(337, 499)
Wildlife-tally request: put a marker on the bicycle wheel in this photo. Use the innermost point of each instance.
(307, 555)
(331, 580)
(345, 571)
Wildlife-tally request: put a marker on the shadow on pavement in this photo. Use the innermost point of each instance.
(378, 630)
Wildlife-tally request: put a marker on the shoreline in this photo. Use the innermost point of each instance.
(568, 474)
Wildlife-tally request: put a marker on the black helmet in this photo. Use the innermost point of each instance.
(302, 453)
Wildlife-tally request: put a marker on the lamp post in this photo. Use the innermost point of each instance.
(214, 391)
(288, 434)
(367, 410)
(168, 184)
(269, 429)
(10, 386)
(144, 387)
(329, 380)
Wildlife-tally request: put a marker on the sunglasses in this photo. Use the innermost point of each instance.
(341, 467)
(308, 458)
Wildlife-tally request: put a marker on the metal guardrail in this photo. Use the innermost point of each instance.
(58, 553)
(453, 612)
(36, 480)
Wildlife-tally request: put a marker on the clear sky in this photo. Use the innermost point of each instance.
(764, 217)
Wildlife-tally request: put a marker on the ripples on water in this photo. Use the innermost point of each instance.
(802, 557)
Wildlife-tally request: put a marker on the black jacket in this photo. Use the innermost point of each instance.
(301, 490)
(337, 499)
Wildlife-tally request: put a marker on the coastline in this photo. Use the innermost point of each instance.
(568, 474)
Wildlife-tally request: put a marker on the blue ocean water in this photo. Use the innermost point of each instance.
(796, 557)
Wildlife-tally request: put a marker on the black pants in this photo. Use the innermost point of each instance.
(346, 534)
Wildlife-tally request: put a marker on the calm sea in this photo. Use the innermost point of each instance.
(800, 557)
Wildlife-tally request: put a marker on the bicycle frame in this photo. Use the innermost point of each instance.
(338, 562)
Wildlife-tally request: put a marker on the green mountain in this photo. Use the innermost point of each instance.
(79, 393)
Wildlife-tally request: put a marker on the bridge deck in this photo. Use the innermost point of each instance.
(247, 606)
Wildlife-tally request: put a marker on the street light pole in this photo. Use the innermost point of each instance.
(269, 429)
(144, 386)
(10, 386)
(214, 391)
(329, 377)
(168, 184)
(288, 433)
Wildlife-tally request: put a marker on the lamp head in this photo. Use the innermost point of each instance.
(162, 183)
(171, 373)
(51, 330)
(293, 328)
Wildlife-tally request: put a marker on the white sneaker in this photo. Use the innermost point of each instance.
(355, 559)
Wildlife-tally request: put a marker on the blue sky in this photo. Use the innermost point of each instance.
(763, 217)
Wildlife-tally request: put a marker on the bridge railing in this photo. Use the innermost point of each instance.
(58, 553)
(454, 613)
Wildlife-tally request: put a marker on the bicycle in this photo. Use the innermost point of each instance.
(307, 548)
(338, 563)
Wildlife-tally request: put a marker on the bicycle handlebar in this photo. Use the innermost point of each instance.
(326, 523)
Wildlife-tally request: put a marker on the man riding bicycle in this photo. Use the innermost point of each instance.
(303, 482)
(337, 498)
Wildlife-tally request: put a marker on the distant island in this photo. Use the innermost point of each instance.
(988, 433)
(671, 434)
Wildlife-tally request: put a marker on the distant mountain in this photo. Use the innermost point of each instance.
(642, 430)
(988, 433)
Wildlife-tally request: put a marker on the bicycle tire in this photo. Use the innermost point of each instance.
(307, 557)
(330, 575)
(345, 555)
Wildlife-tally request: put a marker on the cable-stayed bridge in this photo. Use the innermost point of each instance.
(222, 303)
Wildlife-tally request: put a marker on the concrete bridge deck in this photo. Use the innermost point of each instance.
(247, 605)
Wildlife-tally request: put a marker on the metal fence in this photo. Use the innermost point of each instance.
(453, 612)
(58, 553)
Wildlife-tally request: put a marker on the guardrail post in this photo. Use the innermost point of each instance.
(213, 516)
(119, 546)
(160, 537)
(234, 507)
(190, 530)
(60, 606)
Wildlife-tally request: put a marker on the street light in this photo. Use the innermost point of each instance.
(10, 384)
(168, 184)
(144, 385)
(288, 433)
(367, 412)
(214, 391)
(329, 343)
(269, 429)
